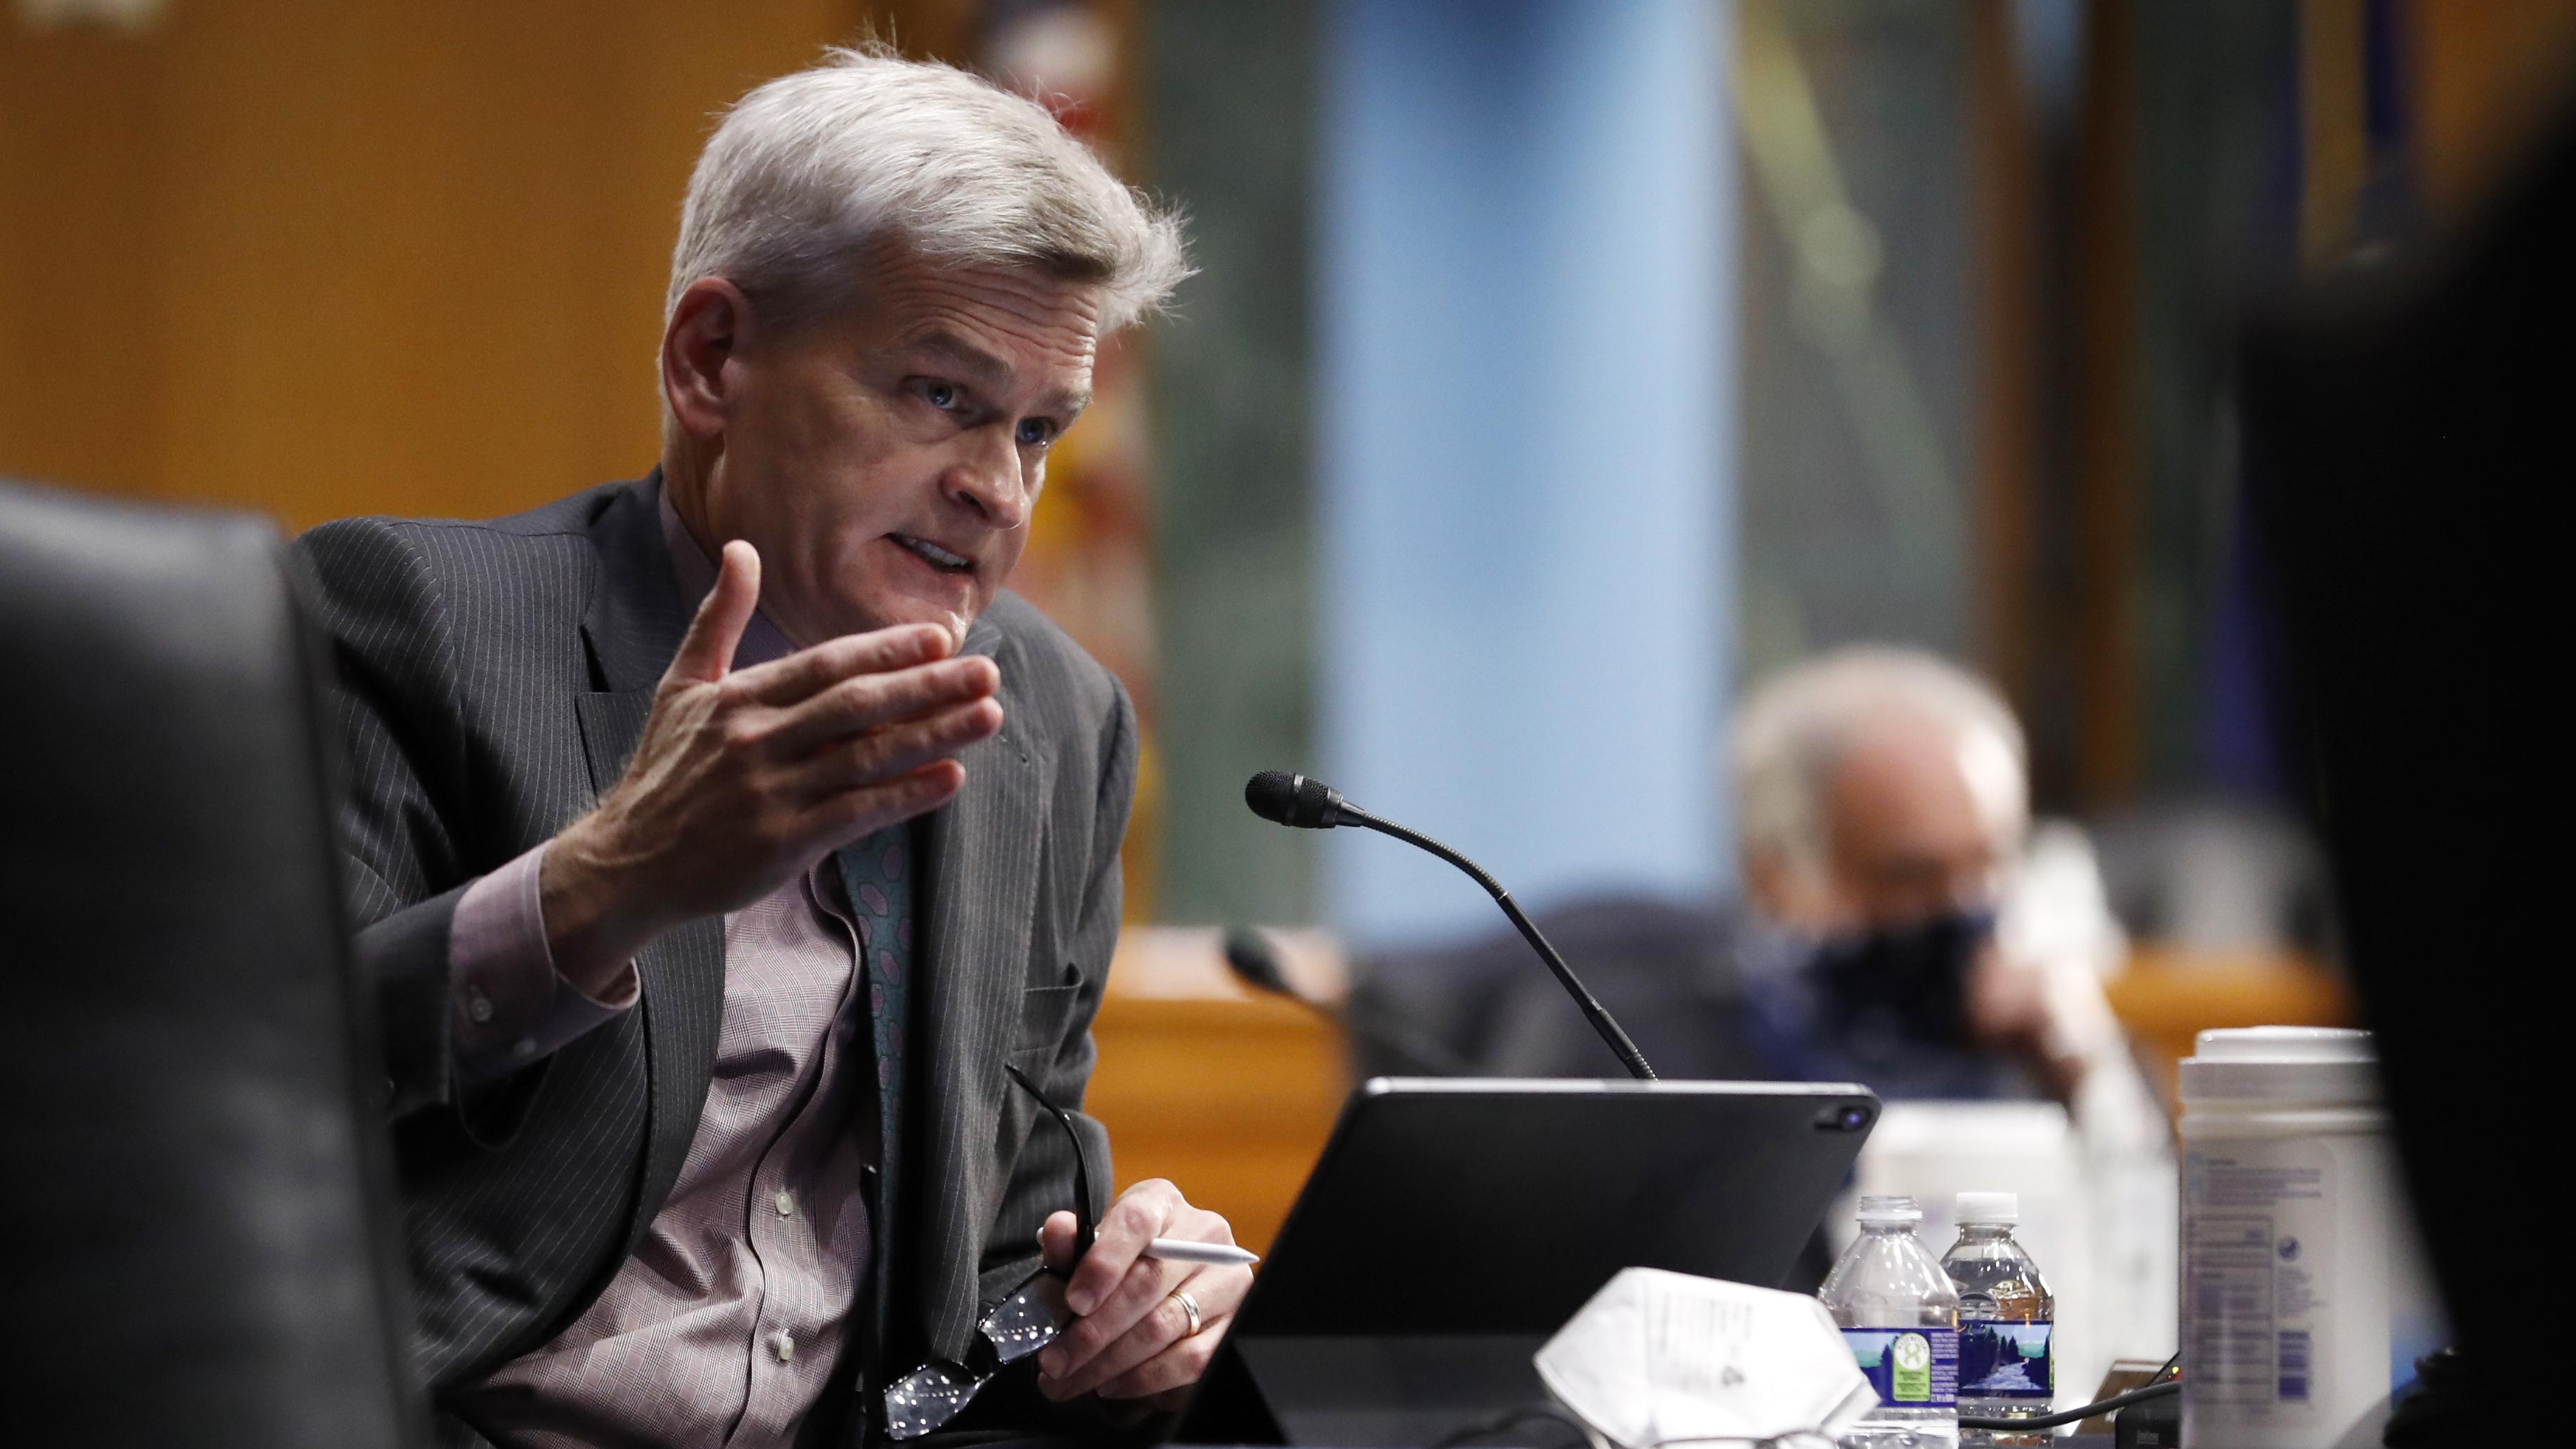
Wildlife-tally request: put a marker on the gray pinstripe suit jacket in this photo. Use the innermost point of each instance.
(494, 678)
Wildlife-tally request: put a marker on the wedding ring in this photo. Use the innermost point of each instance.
(1189, 1306)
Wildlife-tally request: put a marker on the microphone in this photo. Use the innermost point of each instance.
(1299, 801)
(1248, 954)
(1306, 803)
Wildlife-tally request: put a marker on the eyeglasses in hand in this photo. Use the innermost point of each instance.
(1027, 1319)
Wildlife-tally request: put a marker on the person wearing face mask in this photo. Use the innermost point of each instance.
(1913, 931)
(1913, 934)
(1901, 925)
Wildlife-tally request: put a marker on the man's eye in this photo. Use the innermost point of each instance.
(1036, 433)
(940, 395)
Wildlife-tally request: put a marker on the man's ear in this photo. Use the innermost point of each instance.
(707, 331)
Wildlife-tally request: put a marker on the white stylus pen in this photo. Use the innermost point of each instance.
(1182, 1250)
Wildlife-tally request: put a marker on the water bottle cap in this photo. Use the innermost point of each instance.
(1890, 1210)
(1988, 1207)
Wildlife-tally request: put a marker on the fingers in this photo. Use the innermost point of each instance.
(1134, 1322)
(1113, 1289)
(1132, 1332)
(707, 651)
(785, 681)
(842, 818)
(1056, 1240)
(869, 700)
(2006, 997)
(1136, 1219)
(1158, 1352)
(1176, 1367)
(894, 750)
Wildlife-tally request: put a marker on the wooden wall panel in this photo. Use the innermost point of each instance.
(2489, 76)
(2106, 423)
(1229, 1099)
(326, 258)
(78, 372)
(1228, 1095)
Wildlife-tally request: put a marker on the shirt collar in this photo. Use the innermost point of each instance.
(761, 640)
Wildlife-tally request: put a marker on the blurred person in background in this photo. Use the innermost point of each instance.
(1919, 936)
(1924, 939)
(1902, 925)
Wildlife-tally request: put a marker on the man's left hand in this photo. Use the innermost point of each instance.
(1132, 1339)
(2009, 1009)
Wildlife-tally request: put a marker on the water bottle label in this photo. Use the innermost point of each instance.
(1911, 1368)
(2000, 1360)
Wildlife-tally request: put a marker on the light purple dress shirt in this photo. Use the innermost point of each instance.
(722, 1328)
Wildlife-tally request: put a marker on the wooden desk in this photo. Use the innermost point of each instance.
(1227, 1094)
(1232, 1095)
(2167, 997)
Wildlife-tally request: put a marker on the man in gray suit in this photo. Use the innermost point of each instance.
(723, 843)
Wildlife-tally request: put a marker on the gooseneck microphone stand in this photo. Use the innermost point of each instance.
(1310, 804)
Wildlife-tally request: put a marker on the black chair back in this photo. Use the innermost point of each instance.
(195, 1229)
(2407, 455)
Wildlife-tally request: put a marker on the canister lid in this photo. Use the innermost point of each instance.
(2282, 1064)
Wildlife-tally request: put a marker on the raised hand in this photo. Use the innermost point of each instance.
(743, 779)
(2011, 1009)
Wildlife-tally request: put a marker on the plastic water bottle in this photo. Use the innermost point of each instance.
(1900, 1315)
(2006, 1315)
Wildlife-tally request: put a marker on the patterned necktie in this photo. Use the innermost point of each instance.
(877, 874)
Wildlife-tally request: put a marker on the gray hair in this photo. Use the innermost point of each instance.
(808, 172)
(1791, 733)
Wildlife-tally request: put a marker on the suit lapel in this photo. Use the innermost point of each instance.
(979, 902)
(635, 618)
(633, 626)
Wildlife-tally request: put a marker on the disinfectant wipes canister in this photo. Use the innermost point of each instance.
(2304, 1299)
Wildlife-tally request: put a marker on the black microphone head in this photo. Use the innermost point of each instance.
(1271, 794)
(1249, 955)
(1298, 800)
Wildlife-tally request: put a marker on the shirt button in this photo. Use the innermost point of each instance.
(783, 1344)
(786, 1203)
(524, 1048)
(480, 1008)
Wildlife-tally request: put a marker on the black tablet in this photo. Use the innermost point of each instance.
(1452, 1224)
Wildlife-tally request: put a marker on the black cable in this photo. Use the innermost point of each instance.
(1773, 1442)
(2069, 1416)
(1549, 1413)
(1527, 1413)
(2159, 1387)
(2163, 1369)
